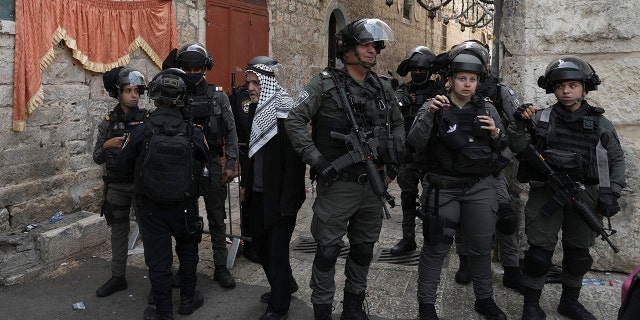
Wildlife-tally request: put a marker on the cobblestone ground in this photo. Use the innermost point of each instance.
(392, 287)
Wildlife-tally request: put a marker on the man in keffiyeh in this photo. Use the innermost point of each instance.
(273, 187)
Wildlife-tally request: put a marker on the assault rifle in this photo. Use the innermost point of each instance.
(566, 191)
(362, 149)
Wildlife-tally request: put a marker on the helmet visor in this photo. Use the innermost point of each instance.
(373, 30)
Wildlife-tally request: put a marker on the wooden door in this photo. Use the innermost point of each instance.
(237, 31)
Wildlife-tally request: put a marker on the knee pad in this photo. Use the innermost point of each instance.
(537, 261)
(326, 257)
(120, 213)
(362, 253)
(577, 261)
(507, 219)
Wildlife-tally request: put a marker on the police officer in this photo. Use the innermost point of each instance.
(411, 173)
(345, 201)
(167, 196)
(572, 135)
(506, 102)
(210, 110)
(463, 133)
(126, 85)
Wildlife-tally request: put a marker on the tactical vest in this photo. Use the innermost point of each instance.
(368, 98)
(120, 125)
(570, 146)
(166, 170)
(206, 111)
(474, 157)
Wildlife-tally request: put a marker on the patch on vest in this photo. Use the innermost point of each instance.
(302, 97)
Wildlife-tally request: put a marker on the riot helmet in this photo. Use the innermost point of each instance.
(474, 47)
(194, 56)
(117, 78)
(277, 69)
(569, 68)
(418, 58)
(170, 88)
(469, 63)
(361, 32)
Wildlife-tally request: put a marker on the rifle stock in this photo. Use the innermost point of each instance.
(566, 191)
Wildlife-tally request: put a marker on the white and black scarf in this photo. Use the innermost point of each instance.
(274, 102)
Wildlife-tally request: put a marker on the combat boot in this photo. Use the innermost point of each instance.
(223, 276)
(113, 285)
(462, 275)
(489, 309)
(513, 279)
(403, 247)
(570, 307)
(427, 311)
(531, 309)
(322, 311)
(151, 314)
(189, 304)
(352, 307)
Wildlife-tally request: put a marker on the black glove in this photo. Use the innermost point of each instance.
(507, 222)
(325, 170)
(518, 113)
(608, 202)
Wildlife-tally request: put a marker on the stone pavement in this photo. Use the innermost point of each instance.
(391, 293)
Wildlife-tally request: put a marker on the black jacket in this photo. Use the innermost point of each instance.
(284, 174)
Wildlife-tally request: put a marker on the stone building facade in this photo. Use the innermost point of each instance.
(48, 167)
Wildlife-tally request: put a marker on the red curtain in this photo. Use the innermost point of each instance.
(100, 33)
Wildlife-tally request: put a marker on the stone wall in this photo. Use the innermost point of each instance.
(537, 31)
(48, 167)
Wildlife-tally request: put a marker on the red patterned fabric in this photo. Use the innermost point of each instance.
(100, 33)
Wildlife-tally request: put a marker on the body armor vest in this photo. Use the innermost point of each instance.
(120, 125)
(574, 139)
(207, 113)
(474, 157)
(366, 105)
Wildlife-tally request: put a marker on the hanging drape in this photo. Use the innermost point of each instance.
(100, 33)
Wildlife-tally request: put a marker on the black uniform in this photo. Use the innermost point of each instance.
(160, 220)
(412, 171)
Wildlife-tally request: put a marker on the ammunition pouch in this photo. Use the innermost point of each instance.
(566, 162)
(432, 224)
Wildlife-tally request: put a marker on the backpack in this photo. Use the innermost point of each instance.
(166, 168)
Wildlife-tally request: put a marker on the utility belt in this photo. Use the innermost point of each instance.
(116, 179)
(444, 182)
(355, 174)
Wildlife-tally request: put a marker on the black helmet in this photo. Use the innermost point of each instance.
(170, 87)
(419, 57)
(569, 68)
(115, 79)
(274, 65)
(468, 62)
(194, 56)
(474, 47)
(363, 31)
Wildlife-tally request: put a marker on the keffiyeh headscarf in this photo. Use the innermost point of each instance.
(274, 102)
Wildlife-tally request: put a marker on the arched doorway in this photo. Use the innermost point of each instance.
(335, 23)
